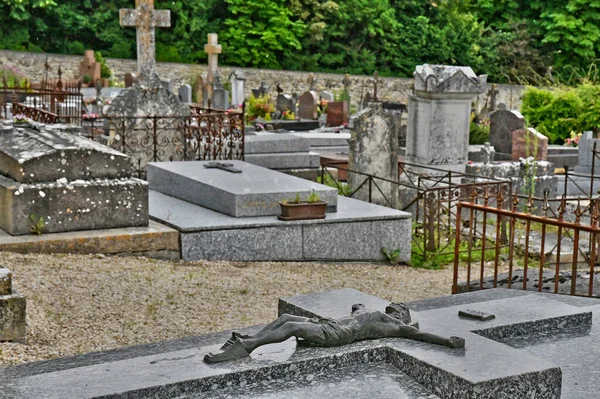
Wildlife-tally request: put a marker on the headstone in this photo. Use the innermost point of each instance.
(373, 148)
(12, 310)
(213, 49)
(502, 124)
(129, 80)
(145, 19)
(439, 116)
(366, 101)
(285, 102)
(327, 96)
(263, 90)
(586, 155)
(238, 81)
(167, 84)
(529, 143)
(308, 105)
(55, 181)
(89, 67)
(220, 98)
(312, 82)
(337, 113)
(185, 94)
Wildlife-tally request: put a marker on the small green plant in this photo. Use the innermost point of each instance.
(105, 71)
(38, 225)
(86, 79)
(261, 107)
(343, 188)
(313, 197)
(392, 256)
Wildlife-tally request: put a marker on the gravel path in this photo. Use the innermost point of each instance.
(78, 304)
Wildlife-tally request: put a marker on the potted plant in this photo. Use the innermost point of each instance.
(312, 208)
(21, 120)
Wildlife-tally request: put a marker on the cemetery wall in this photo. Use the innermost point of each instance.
(393, 89)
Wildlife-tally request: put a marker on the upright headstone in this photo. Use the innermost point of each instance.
(502, 124)
(145, 18)
(373, 148)
(285, 102)
(213, 49)
(220, 98)
(89, 67)
(529, 143)
(586, 155)
(337, 113)
(308, 105)
(263, 90)
(327, 96)
(439, 116)
(167, 84)
(185, 94)
(129, 80)
(238, 81)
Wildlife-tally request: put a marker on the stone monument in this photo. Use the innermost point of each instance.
(220, 96)
(12, 310)
(502, 124)
(529, 143)
(238, 81)
(373, 149)
(131, 109)
(89, 67)
(308, 105)
(439, 114)
(213, 49)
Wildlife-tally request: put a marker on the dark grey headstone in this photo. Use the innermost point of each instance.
(285, 102)
(185, 94)
(220, 99)
(307, 108)
(502, 124)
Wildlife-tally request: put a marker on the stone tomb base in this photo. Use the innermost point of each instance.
(538, 346)
(71, 206)
(12, 310)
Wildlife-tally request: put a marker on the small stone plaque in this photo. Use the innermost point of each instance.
(476, 315)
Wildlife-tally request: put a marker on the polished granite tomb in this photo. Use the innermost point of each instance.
(538, 346)
(233, 216)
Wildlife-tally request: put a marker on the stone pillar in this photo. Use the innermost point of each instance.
(374, 151)
(12, 310)
(586, 156)
(439, 116)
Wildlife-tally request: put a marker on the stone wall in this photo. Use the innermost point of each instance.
(393, 89)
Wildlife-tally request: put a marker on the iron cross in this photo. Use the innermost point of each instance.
(228, 167)
(145, 18)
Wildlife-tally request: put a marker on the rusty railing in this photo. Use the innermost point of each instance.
(568, 268)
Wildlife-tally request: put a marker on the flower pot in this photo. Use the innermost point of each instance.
(303, 210)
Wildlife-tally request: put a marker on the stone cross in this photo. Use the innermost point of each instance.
(145, 18)
(347, 82)
(213, 49)
(375, 81)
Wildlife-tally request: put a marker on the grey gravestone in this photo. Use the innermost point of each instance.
(308, 104)
(185, 94)
(65, 183)
(238, 81)
(502, 124)
(250, 193)
(586, 155)
(220, 98)
(285, 102)
(439, 116)
(327, 96)
(167, 84)
(263, 90)
(373, 148)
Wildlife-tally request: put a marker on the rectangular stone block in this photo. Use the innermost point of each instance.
(71, 206)
(254, 192)
(267, 243)
(340, 240)
(12, 317)
(5, 281)
(294, 160)
(275, 143)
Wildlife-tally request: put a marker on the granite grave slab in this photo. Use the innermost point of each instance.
(254, 192)
(399, 368)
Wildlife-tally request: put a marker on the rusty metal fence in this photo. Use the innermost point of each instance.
(553, 254)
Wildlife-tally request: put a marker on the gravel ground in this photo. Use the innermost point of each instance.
(78, 304)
